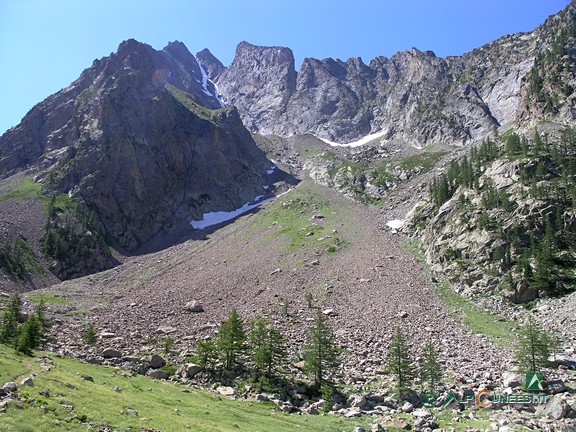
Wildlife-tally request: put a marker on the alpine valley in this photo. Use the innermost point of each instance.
(163, 197)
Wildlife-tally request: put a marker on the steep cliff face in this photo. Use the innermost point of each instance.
(260, 82)
(142, 139)
(548, 87)
(413, 97)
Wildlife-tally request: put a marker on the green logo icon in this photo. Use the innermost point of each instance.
(428, 399)
(535, 381)
(451, 397)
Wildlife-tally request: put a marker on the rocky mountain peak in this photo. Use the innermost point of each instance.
(141, 139)
(260, 82)
(413, 97)
(211, 64)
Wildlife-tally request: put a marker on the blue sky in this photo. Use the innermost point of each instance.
(46, 44)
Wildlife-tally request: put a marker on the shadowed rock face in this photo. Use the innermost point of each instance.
(414, 96)
(142, 140)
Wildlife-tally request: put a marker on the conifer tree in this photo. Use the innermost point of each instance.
(231, 341)
(9, 330)
(534, 347)
(89, 336)
(430, 368)
(205, 354)
(267, 349)
(31, 335)
(321, 356)
(399, 364)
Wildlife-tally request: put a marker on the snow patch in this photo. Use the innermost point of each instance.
(395, 224)
(358, 143)
(205, 81)
(215, 218)
(266, 187)
(271, 170)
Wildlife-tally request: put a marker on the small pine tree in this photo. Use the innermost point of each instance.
(309, 300)
(30, 336)
(534, 347)
(267, 349)
(321, 357)
(89, 336)
(231, 341)
(9, 330)
(205, 355)
(430, 368)
(399, 364)
(40, 312)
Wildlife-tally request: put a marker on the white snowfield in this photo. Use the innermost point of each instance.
(271, 170)
(395, 224)
(358, 143)
(205, 81)
(215, 218)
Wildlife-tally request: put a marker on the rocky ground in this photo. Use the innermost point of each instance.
(367, 289)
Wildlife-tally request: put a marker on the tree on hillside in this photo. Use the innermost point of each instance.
(430, 368)
(399, 364)
(231, 341)
(206, 354)
(267, 349)
(9, 330)
(321, 356)
(534, 347)
(30, 336)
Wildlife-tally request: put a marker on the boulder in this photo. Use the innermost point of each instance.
(357, 401)
(111, 353)
(28, 382)
(157, 362)
(511, 379)
(556, 407)
(194, 306)
(523, 293)
(407, 407)
(555, 387)
(10, 386)
(157, 374)
(189, 370)
(226, 391)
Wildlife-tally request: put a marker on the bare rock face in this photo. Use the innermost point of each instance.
(259, 83)
(142, 139)
(211, 64)
(412, 97)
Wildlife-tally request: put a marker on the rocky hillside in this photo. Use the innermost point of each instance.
(414, 96)
(502, 218)
(140, 143)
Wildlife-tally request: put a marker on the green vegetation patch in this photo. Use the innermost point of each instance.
(500, 331)
(304, 220)
(54, 299)
(63, 399)
(188, 101)
(19, 257)
(26, 189)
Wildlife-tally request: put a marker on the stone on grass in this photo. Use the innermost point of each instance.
(10, 386)
(157, 374)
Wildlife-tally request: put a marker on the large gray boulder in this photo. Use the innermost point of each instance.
(556, 408)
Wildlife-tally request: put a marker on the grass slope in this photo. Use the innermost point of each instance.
(62, 399)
